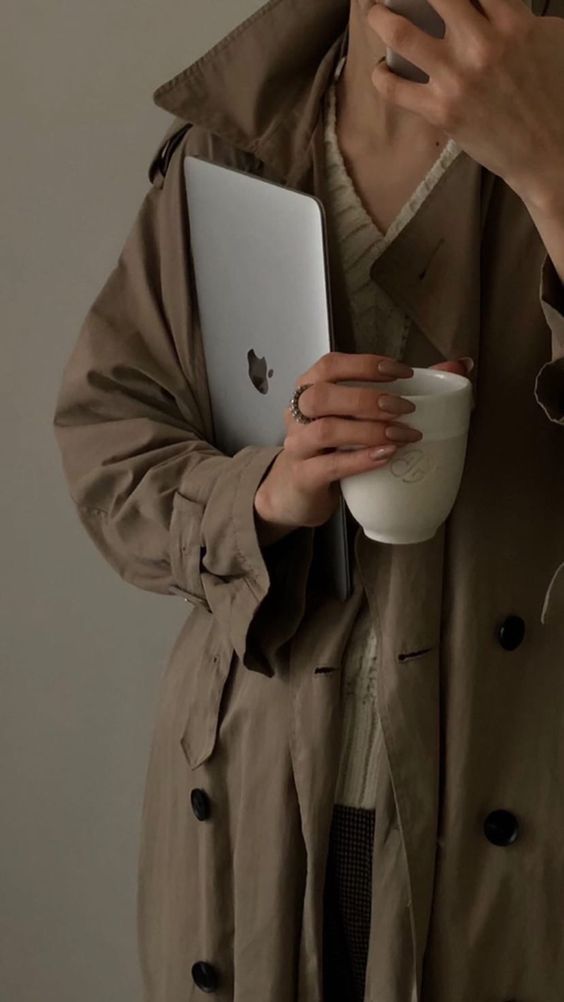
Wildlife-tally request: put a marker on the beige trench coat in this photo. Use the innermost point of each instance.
(467, 903)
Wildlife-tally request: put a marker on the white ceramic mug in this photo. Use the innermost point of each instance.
(407, 500)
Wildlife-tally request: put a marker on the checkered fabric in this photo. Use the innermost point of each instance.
(347, 903)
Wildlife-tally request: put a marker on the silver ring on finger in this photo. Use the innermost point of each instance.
(294, 406)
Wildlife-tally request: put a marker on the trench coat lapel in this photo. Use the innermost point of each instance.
(431, 269)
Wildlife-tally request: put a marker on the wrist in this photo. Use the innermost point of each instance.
(269, 531)
(542, 194)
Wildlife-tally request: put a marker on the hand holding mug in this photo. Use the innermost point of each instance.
(302, 486)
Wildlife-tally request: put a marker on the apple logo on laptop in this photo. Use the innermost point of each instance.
(258, 373)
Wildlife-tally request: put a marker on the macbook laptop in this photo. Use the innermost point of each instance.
(260, 261)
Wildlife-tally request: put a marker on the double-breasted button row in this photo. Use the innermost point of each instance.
(501, 827)
(205, 975)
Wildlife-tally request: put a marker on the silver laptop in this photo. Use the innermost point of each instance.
(261, 272)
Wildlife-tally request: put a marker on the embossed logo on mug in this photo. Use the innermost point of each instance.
(412, 466)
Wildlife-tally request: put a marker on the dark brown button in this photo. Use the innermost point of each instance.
(205, 976)
(501, 827)
(511, 632)
(200, 804)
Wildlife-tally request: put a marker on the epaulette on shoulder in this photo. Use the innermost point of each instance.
(161, 160)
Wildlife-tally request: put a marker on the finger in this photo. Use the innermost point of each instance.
(498, 11)
(460, 369)
(456, 366)
(359, 402)
(336, 365)
(416, 97)
(338, 433)
(472, 15)
(324, 470)
(406, 38)
(464, 16)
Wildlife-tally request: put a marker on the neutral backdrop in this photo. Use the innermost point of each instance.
(81, 652)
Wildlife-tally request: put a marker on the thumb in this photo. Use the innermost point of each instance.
(462, 366)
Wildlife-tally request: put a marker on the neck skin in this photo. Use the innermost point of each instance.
(366, 120)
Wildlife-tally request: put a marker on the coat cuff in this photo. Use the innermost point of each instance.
(235, 574)
(549, 382)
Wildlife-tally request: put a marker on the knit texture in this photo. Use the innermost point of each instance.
(379, 326)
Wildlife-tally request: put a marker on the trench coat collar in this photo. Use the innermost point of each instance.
(263, 88)
(260, 87)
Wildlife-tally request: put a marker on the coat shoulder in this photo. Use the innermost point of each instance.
(195, 140)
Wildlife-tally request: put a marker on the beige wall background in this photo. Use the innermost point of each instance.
(81, 651)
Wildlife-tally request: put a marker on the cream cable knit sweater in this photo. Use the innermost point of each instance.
(379, 326)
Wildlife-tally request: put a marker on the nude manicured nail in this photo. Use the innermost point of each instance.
(383, 451)
(395, 405)
(389, 367)
(403, 434)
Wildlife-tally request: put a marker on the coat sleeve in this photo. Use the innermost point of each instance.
(549, 381)
(167, 510)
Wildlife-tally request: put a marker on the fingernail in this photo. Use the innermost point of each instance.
(404, 433)
(468, 363)
(389, 367)
(395, 405)
(382, 451)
